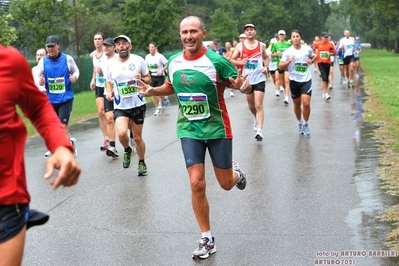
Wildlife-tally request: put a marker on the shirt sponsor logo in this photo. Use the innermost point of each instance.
(187, 79)
(132, 67)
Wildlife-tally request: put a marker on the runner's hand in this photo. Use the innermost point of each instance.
(144, 89)
(69, 172)
(240, 83)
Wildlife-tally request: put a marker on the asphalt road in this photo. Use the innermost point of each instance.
(308, 200)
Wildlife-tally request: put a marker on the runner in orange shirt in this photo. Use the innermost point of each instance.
(324, 49)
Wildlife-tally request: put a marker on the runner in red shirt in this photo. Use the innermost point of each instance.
(324, 49)
(18, 88)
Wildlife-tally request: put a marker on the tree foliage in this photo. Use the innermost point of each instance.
(96, 17)
(38, 19)
(144, 21)
(375, 21)
(150, 21)
(222, 26)
(8, 33)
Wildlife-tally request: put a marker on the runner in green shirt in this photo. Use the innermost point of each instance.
(198, 77)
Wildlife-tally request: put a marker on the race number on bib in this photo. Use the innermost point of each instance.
(251, 65)
(301, 68)
(324, 55)
(100, 80)
(195, 105)
(125, 89)
(56, 85)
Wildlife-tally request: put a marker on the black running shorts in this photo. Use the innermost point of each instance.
(12, 219)
(299, 88)
(136, 114)
(64, 111)
(220, 151)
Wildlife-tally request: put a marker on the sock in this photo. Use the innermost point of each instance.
(300, 122)
(305, 122)
(238, 175)
(141, 161)
(112, 144)
(131, 134)
(207, 234)
(106, 138)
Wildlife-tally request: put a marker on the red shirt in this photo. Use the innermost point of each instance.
(18, 88)
(323, 51)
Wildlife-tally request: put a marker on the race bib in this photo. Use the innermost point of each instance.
(324, 55)
(301, 68)
(153, 67)
(56, 85)
(340, 61)
(251, 65)
(349, 47)
(100, 81)
(125, 89)
(195, 105)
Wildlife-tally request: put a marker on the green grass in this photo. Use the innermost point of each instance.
(382, 84)
(84, 108)
(382, 105)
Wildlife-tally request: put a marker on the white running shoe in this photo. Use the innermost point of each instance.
(277, 93)
(326, 96)
(47, 154)
(281, 88)
(255, 125)
(75, 151)
(242, 177)
(300, 126)
(112, 152)
(306, 130)
(166, 101)
(231, 94)
(158, 111)
(330, 86)
(286, 99)
(259, 135)
(132, 143)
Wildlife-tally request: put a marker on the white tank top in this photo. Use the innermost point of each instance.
(97, 62)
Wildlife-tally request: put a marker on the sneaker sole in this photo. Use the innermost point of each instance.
(102, 148)
(130, 164)
(142, 174)
(243, 182)
(205, 256)
(112, 154)
(258, 138)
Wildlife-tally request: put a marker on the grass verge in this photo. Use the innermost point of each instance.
(382, 76)
(84, 108)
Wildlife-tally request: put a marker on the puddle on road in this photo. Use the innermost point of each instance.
(369, 232)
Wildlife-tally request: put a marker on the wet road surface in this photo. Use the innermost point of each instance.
(308, 199)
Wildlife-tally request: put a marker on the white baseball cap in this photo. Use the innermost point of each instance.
(123, 37)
